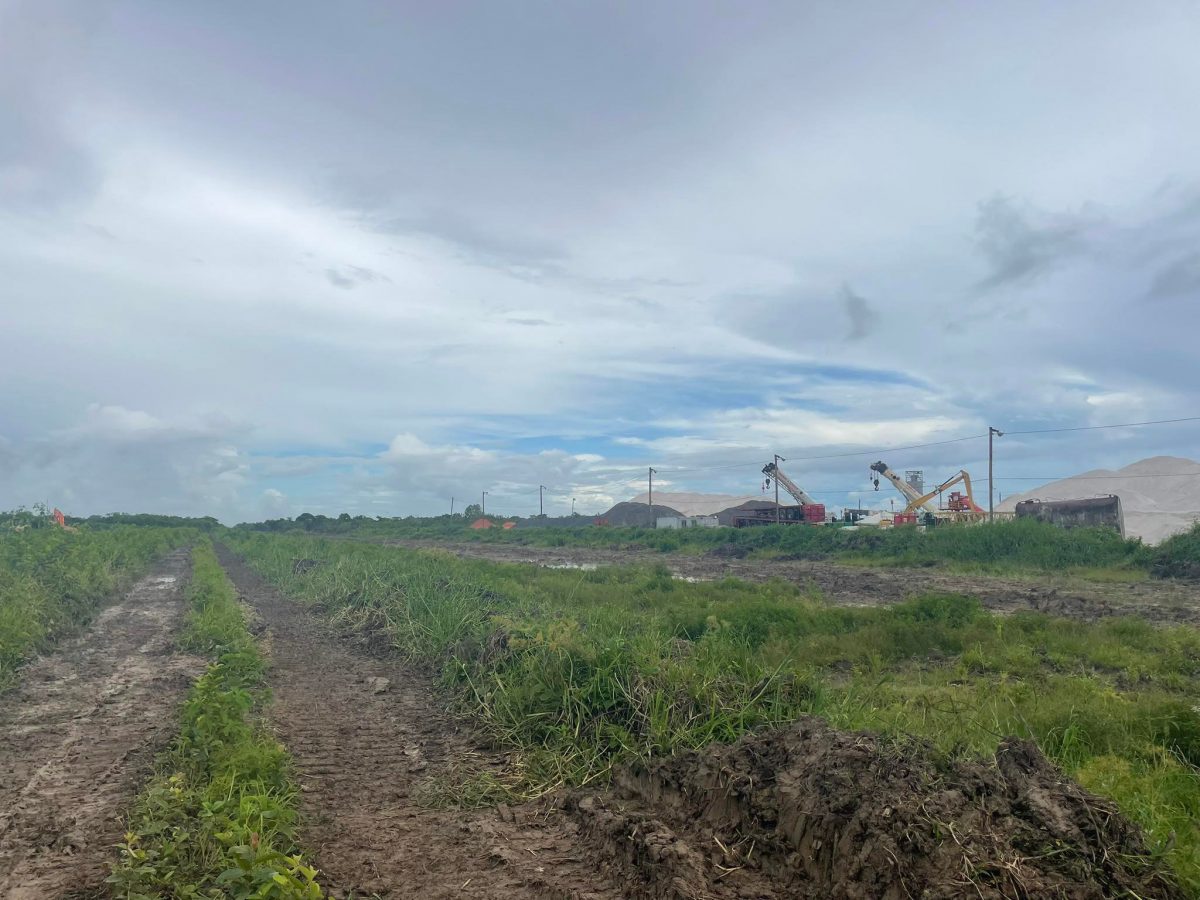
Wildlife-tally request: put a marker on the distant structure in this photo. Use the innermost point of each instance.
(687, 522)
(916, 477)
(1091, 512)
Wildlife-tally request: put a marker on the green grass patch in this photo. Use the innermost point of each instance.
(52, 581)
(219, 817)
(583, 670)
(1003, 547)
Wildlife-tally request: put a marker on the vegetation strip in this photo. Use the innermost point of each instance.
(1021, 545)
(219, 817)
(52, 580)
(584, 670)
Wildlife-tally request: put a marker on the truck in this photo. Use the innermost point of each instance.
(807, 511)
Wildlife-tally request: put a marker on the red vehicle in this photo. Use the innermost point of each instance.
(808, 514)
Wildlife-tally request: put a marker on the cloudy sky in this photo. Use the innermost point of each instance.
(261, 258)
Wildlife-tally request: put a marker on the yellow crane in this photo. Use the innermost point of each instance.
(960, 505)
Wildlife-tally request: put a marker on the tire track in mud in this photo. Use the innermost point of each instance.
(362, 751)
(78, 734)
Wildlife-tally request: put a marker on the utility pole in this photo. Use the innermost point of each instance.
(650, 497)
(451, 506)
(483, 504)
(572, 506)
(541, 510)
(778, 460)
(992, 433)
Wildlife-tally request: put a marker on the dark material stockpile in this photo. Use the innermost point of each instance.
(809, 811)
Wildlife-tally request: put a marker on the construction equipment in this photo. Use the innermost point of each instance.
(960, 505)
(807, 511)
(771, 470)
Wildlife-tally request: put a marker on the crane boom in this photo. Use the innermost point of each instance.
(962, 507)
(773, 471)
(910, 493)
(967, 501)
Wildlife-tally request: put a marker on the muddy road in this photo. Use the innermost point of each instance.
(367, 737)
(78, 734)
(1165, 601)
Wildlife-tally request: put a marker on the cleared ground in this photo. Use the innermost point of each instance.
(78, 734)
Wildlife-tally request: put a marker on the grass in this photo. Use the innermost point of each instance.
(584, 670)
(1005, 547)
(52, 581)
(1178, 556)
(219, 817)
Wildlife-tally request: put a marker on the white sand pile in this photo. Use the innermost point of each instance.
(1160, 496)
(706, 504)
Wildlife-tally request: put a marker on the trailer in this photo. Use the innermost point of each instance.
(807, 514)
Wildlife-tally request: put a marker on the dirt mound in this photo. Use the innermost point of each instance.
(638, 514)
(1160, 496)
(808, 811)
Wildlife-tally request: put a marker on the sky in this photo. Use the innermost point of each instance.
(261, 259)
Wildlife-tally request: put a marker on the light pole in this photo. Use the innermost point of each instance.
(541, 511)
(992, 432)
(572, 506)
(483, 504)
(650, 497)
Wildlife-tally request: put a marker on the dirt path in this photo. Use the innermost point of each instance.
(1159, 601)
(363, 750)
(78, 733)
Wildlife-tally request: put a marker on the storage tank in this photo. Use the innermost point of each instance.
(1090, 512)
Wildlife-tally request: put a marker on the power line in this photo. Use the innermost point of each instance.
(793, 458)
(1099, 427)
(1195, 474)
(668, 470)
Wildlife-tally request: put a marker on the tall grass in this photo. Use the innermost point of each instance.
(51, 581)
(583, 670)
(1021, 544)
(1179, 555)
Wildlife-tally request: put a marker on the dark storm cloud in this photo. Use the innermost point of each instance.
(1180, 278)
(349, 277)
(1022, 244)
(859, 312)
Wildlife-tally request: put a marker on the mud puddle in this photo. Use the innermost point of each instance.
(78, 734)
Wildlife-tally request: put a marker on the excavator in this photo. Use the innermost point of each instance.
(808, 511)
(960, 505)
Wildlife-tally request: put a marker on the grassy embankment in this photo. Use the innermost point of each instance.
(218, 819)
(582, 670)
(52, 581)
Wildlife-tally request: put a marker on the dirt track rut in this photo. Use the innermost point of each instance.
(361, 755)
(78, 734)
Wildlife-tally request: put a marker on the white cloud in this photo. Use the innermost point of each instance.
(373, 285)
